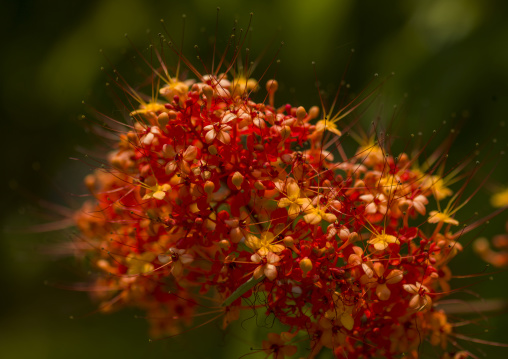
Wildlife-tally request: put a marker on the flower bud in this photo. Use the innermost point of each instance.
(212, 150)
(237, 179)
(404, 205)
(209, 187)
(289, 241)
(236, 235)
(313, 112)
(163, 120)
(306, 266)
(301, 113)
(344, 234)
(272, 86)
(353, 237)
(208, 92)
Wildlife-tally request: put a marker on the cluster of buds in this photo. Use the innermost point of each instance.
(209, 192)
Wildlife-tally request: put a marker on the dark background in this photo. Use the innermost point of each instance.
(450, 59)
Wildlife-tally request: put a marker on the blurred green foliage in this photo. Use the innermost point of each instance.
(450, 59)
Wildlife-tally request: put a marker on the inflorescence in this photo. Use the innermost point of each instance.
(211, 197)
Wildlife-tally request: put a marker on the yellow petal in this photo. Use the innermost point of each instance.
(277, 248)
(312, 218)
(293, 191)
(284, 202)
(252, 242)
(330, 217)
(347, 321)
(382, 292)
(380, 246)
(293, 211)
(159, 195)
(305, 203)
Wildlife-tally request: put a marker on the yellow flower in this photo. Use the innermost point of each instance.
(264, 244)
(318, 213)
(437, 186)
(441, 217)
(390, 185)
(242, 87)
(369, 153)
(294, 202)
(323, 125)
(382, 240)
(175, 88)
(149, 107)
(158, 191)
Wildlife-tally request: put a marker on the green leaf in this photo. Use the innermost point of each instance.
(245, 287)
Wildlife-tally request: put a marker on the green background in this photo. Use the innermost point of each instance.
(450, 59)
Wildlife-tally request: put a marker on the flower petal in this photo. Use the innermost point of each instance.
(224, 137)
(347, 321)
(410, 288)
(270, 271)
(159, 195)
(293, 191)
(382, 292)
(256, 258)
(210, 136)
(284, 202)
(394, 276)
(190, 153)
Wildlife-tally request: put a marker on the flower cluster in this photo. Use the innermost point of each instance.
(209, 192)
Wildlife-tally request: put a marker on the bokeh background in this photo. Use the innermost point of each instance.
(450, 59)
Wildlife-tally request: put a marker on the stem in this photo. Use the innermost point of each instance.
(482, 306)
